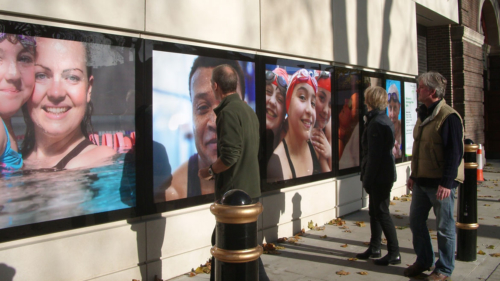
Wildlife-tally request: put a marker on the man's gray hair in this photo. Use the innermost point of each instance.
(434, 81)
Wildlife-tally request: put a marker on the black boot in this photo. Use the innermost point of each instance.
(369, 254)
(389, 259)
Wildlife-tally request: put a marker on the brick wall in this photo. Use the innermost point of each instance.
(439, 55)
(469, 13)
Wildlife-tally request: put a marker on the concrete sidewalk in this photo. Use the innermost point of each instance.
(316, 257)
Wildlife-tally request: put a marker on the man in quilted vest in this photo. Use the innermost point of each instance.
(437, 169)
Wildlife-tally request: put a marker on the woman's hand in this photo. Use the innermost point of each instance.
(321, 144)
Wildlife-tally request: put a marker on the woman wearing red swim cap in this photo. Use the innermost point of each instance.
(276, 86)
(321, 142)
(295, 157)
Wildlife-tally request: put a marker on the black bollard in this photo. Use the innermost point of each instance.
(236, 250)
(467, 206)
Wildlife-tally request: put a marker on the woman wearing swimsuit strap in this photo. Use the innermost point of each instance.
(322, 144)
(58, 113)
(17, 68)
(294, 157)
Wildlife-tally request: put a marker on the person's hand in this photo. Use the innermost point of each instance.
(442, 192)
(321, 144)
(204, 174)
(409, 184)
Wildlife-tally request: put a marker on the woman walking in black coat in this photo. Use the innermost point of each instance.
(378, 173)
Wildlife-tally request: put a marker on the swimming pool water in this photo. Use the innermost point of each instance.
(44, 196)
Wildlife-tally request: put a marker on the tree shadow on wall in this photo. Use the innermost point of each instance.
(6, 272)
(150, 230)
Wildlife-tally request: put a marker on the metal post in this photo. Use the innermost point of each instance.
(467, 206)
(236, 250)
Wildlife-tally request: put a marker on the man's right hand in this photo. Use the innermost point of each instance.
(409, 184)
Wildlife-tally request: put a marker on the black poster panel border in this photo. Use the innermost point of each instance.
(79, 221)
(272, 187)
(153, 206)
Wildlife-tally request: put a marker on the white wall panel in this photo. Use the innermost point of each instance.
(219, 21)
(111, 13)
(75, 255)
(446, 8)
(297, 27)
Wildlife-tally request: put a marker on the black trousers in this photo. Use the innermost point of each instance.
(262, 270)
(381, 221)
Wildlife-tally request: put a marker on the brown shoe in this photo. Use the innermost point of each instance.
(414, 270)
(436, 276)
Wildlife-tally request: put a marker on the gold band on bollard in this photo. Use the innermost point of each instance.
(236, 256)
(471, 147)
(467, 226)
(471, 165)
(236, 214)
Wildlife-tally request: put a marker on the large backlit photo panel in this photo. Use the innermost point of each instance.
(184, 128)
(67, 104)
(348, 97)
(393, 88)
(298, 122)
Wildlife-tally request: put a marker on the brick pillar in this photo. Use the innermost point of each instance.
(467, 57)
(439, 55)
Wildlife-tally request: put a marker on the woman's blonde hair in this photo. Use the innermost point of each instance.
(376, 97)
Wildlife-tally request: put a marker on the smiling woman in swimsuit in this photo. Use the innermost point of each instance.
(60, 108)
(322, 144)
(17, 58)
(295, 157)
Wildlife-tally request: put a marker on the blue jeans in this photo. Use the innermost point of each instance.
(423, 199)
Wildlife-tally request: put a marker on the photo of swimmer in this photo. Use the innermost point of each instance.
(348, 105)
(393, 88)
(184, 120)
(298, 122)
(67, 109)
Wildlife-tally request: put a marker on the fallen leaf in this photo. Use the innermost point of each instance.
(343, 246)
(344, 227)
(360, 223)
(310, 225)
(491, 247)
(282, 240)
(303, 231)
(495, 255)
(401, 227)
(347, 230)
(352, 259)
(405, 214)
(481, 253)
(392, 203)
(363, 273)
(384, 241)
(481, 219)
(280, 248)
(342, 272)
(487, 205)
(397, 211)
(395, 198)
(405, 199)
(324, 236)
(366, 243)
(497, 217)
(269, 246)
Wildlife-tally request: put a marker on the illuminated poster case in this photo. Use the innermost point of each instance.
(295, 112)
(67, 104)
(393, 86)
(348, 108)
(410, 115)
(183, 129)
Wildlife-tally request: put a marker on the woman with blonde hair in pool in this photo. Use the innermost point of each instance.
(17, 58)
(58, 113)
(295, 157)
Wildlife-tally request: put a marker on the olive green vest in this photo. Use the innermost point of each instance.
(428, 155)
